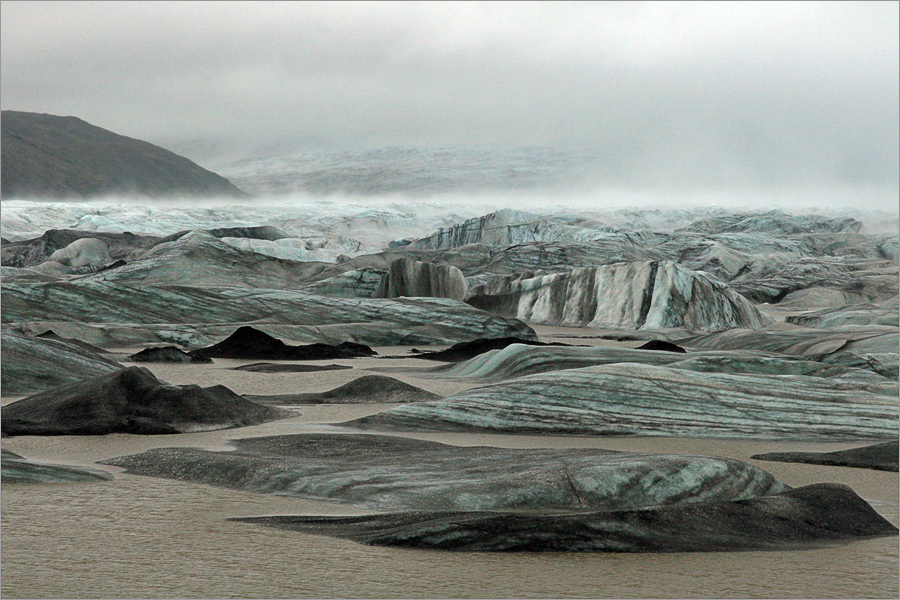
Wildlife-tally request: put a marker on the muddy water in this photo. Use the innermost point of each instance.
(150, 538)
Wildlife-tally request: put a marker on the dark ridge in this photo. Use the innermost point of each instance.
(252, 344)
(466, 350)
(805, 517)
(167, 354)
(48, 156)
(365, 389)
(134, 401)
(282, 368)
(880, 457)
(661, 345)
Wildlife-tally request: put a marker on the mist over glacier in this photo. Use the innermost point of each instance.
(377, 195)
(672, 104)
(379, 219)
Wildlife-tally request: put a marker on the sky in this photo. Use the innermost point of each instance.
(705, 94)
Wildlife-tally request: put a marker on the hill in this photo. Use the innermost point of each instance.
(64, 157)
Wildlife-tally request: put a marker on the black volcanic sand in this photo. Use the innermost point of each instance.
(804, 517)
(132, 401)
(251, 344)
(466, 350)
(365, 389)
(282, 368)
(881, 457)
(168, 354)
(661, 345)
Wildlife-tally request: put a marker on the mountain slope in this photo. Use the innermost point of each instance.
(65, 157)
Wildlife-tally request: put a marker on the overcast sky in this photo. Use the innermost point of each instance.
(750, 93)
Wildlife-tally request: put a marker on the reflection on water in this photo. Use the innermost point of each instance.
(151, 538)
(142, 537)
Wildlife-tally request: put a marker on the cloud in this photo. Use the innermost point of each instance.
(691, 93)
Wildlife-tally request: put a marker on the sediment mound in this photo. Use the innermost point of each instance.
(365, 389)
(132, 400)
(804, 517)
(661, 345)
(252, 344)
(288, 368)
(395, 473)
(169, 354)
